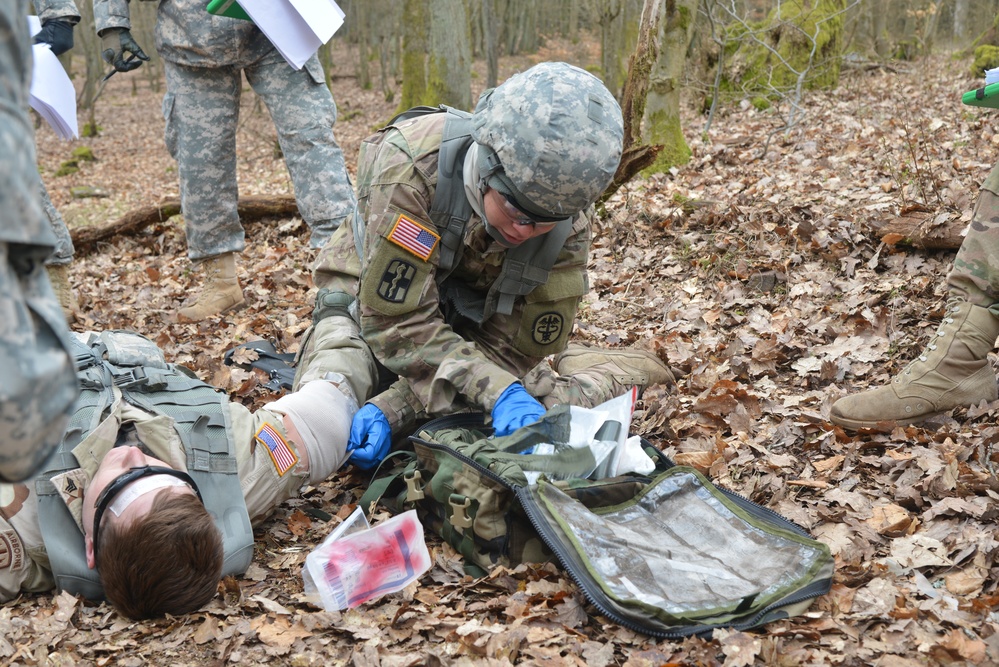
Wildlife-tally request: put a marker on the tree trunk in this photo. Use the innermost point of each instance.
(637, 155)
(960, 27)
(415, 46)
(143, 18)
(250, 208)
(449, 63)
(87, 44)
(917, 229)
(491, 45)
(661, 120)
(607, 13)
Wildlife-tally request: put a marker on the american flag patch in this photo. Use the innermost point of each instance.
(284, 459)
(414, 237)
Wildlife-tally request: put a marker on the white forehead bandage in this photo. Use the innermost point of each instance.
(140, 487)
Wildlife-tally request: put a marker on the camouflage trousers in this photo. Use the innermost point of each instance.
(334, 345)
(586, 388)
(201, 109)
(64, 249)
(975, 275)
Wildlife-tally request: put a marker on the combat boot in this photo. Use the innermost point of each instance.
(59, 277)
(220, 293)
(953, 371)
(630, 368)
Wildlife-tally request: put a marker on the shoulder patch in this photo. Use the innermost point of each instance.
(11, 551)
(281, 454)
(414, 237)
(395, 282)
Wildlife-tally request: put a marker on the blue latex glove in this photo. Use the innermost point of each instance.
(370, 437)
(515, 408)
(58, 34)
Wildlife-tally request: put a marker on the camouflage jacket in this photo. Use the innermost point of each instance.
(442, 366)
(186, 34)
(57, 9)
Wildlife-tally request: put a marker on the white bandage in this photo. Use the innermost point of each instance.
(141, 487)
(322, 413)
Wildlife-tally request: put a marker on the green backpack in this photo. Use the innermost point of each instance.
(667, 554)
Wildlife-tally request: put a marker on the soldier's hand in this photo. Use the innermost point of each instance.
(115, 43)
(515, 408)
(58, 34)
(370, 437)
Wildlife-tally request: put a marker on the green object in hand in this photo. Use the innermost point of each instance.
(228, 8)
(986, 96)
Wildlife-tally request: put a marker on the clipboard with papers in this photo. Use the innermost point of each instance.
(296, 28)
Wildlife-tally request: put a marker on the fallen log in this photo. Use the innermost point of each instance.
(250, 208)
(922, 229)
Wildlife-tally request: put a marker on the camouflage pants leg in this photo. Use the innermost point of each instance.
(201, 110)
(64, 249)
(304, 113)
(39, 385)
(975, 275)
(334, 345)
(586, 389)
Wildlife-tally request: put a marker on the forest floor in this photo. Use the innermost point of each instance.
(757, 273)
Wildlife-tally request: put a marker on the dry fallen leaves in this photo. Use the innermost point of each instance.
(770, 298)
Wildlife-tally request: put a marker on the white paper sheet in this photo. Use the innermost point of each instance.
(296, 28)
(52, 94)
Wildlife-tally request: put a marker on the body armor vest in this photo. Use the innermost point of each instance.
(525, 267)
(136, 366)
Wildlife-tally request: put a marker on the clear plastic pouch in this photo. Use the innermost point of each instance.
(355, 563)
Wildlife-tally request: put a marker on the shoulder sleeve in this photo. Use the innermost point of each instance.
(400, 305)
(57, 9)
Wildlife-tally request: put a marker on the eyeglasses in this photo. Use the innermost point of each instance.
(118, 484)
(521, 217)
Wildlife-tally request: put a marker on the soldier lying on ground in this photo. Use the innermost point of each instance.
(464, 266)
(151, 497)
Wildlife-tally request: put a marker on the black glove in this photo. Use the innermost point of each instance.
(58, 34)
(115, 42)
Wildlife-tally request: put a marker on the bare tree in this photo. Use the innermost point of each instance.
(437, 54)
(450, 58)
(798, 46)
(661, 120)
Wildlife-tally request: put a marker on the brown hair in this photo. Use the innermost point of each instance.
(166, 562)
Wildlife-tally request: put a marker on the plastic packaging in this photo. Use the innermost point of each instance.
(604, 431)
(358, 563)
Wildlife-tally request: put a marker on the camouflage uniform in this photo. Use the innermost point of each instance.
(975, 275)
(441, 369)
(24, 565)
(39, 383)
(65, 10)
(203, 57)
(64, 250)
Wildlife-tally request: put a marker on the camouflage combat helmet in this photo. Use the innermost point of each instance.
(550, 138)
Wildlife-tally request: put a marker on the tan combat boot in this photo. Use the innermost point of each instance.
(631, 368)
(59, 277)
(954, 370)
(220, 293)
